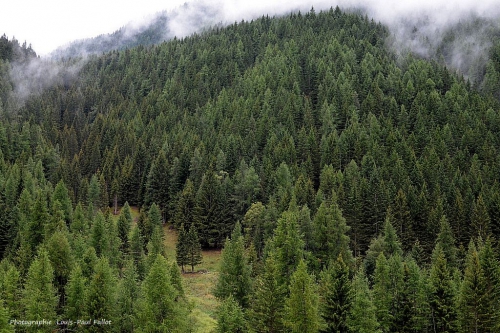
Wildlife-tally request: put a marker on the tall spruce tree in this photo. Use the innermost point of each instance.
(330, 233)
(267, 301)
(5, 326)
(230, 317)
(157, 310)
(101, 294)
(474, 309)
(336, 296)
(382, 293)
(181, 247)
(235, 272)
(302, 313)
(491, 268)
(362, 313)
(76, 293)
(442, 293)
(40, 295)
(193, 245)
(287, 246)
(127, 295)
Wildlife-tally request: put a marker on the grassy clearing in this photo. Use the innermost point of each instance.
(198, 285)
(134, 210)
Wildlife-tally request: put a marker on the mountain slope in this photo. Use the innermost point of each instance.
(325, 146)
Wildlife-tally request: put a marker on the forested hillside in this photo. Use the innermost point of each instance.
(350, 192)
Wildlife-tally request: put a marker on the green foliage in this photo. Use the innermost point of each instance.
(176, 277)
(362, 314)
(305, 128)
(181, 248)
(287, 246)
(331, 239)
(442, 293)
(157, 309)
(40, 295)
(476, 313)
(336, 296)
(11, 291)
(184, 210)
(124, 225)
(267, 301)
(101, 293)
(230, 317)
(302, 313)
(76, 292)
(193, 246)
(381, 293)
(127, 294)
(5, 327)
(235, 272)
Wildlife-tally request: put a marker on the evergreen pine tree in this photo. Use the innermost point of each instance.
(302, 312)
(76, 291)
(155, 245)
(100, 301)
(128, 292)
(336, 296)
(10, 290)
(230, 317)
(176, 278)
(137, 251)
(194, 256)
(442, 293)
(268, 300)
(287, 246)
(480, 220)
(474, 311)
(40, 298)
(185, 206)
(181, 248)
(362, 314)
(5, 327)
(154, 217)
(382, 294)
(392, 245)
(447, 242)
(330, 233)
(157, 310)
(123, 226)
(235, 273)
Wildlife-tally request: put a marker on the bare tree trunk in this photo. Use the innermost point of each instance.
(115, 202)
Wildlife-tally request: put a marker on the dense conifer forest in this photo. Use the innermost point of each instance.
(350, 189)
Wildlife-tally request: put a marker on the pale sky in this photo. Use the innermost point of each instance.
(47, 24)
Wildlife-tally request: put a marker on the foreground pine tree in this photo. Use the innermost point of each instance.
(40, 298)
(181, 247)
(362, 314)
(442, 294)
(336, 296)
(230, 318)
(126, 299)
(302, 313)
(5, 327)
(267, 301)
(193, 246)
(382, 294)
(475, 310)
(101, 294)
(76, 293)
(157, 309)
(235, 272)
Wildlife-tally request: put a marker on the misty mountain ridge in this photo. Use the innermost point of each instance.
(160, 27)
(463, 43)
